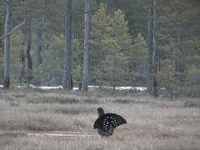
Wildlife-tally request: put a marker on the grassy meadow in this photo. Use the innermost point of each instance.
(60, 120)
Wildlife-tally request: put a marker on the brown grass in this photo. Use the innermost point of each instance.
(59, 120)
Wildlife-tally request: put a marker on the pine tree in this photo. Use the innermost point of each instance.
(112, 42)
(99, 27)
(137, 61)
(118, 44)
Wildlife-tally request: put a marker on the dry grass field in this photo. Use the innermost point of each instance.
(57, 120)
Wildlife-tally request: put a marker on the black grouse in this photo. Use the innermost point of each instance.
(106, 123)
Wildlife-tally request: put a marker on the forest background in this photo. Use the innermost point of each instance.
(118, 43)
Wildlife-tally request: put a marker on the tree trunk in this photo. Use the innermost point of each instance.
(86, 47)
(1, 62)
(21, 65)
(29, 70)
(180, 62)
(67, 77)
(152, 60)
(155, 54)
(111, 6)
(8, 13)
(150, 53)
(38, 50)
(38, 44)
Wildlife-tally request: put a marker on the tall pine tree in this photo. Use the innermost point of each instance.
(112, 42)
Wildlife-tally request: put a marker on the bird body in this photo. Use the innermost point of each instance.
(106, 123)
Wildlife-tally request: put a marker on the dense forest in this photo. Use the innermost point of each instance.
(148, 43)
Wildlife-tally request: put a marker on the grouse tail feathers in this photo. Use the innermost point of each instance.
(109, 119)
(106, 123)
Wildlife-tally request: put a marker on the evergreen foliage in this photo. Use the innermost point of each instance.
(118, 43)
(111, 40)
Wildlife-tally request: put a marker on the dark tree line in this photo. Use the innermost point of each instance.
(133, 43)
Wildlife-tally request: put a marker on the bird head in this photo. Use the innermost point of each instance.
(100, 111)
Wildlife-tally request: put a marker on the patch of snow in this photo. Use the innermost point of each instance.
(46, 87)
(75, 88)
(131, 88)
(90, 87)
(120, 88)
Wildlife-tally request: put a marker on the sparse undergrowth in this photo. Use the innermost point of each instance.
(152, 124)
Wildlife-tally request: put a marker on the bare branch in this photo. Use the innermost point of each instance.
(13, 30)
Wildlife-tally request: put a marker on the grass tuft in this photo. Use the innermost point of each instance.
(192, 103)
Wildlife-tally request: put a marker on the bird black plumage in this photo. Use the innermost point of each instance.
(106, 123)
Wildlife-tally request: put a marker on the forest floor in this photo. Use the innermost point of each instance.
(60, 120)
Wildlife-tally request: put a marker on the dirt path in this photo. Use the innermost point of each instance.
(47, 134)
